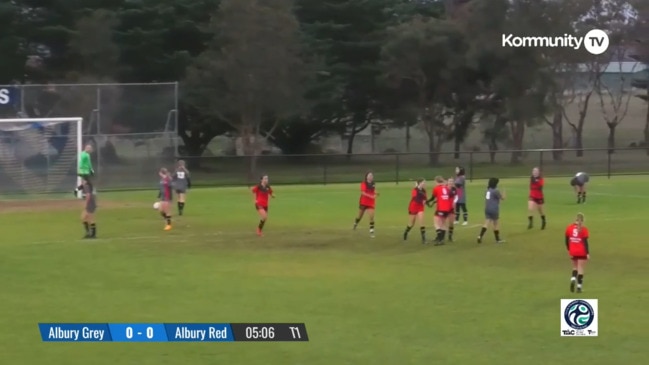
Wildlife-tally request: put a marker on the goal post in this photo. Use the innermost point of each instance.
(40, 155)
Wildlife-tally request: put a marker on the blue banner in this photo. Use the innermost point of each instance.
(9, 96)
(172, 332)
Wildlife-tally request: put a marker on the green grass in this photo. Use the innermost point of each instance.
(365, 301)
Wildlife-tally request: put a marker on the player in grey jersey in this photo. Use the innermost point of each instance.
(181, 183)
(460, 204)
(493, 197)
(578, 182)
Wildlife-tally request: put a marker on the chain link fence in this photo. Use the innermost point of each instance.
(403, 167)
(133, 127)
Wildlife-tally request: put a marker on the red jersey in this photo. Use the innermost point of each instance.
(577, 240)
(417, 200)
(369, 189)
(444, 198)
(166, 184)
(262, 193)
(536, 187)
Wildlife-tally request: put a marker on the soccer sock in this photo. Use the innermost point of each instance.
(181, 207)
(580, 280)
(261, 224)
(372, 226)
(450, 232)
(483, 230)
(422, 231)
(439, 234)
(408, 228)
(466, 216)
(93, 229)
(530, 219)
(168, 218)
(87, 227)
(497, 235)
(578, 197)
(164, 215)
(583, 197)
(574, 275)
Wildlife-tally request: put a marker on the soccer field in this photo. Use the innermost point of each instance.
(364, 301)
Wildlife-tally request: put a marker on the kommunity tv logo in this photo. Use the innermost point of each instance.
(595, 41)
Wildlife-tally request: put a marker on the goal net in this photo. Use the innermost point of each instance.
(39, 155)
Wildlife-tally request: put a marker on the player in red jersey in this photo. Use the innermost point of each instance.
(262, 192)
(442, 197)
(577, 245)
(416, 207)
(536, 199)
(450, 220)
(166, 196)
(367, 202)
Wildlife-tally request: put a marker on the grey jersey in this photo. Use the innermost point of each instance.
(582, 177)
(492, 200)
(91, 203)
(181, 179)
(460, 185)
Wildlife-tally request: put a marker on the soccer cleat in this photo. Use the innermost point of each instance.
(405, 235)
(168, 227)
(572, 286)
(501, 241)
(372, 235)
(578, 290)
(465, 223)
(457, 222)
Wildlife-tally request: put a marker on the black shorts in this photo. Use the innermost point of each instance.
(443, 214)
(576, 182)
(579, 258)
(364, 207)
(259, 207)
(538, 201)
(493, 216)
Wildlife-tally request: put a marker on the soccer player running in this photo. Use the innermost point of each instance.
(89, 209)
(262, 192)
(84, 169)
(460, 205)
(367, 202)
(165, 196)
(181, 183)
(493, 197)
(577, 245)
(442, 197)
(536, 198)
(451, 219)
(416, 207)
(578, 182)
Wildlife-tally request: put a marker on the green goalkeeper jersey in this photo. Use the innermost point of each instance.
(85, 165)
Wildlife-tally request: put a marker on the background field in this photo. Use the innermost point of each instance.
(365, 301)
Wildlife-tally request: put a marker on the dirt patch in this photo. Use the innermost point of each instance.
(13, 206)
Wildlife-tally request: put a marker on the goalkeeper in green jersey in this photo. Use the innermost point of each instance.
(85, 170)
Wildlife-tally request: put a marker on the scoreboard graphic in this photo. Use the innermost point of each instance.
(173, 332)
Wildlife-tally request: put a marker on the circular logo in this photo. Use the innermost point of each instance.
(579, 314)
(596, 41)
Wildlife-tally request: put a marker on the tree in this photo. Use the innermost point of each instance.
(251, 71)
(12, 62)
(641, 54)
(614, 99)
(427, 55)
(347, 35)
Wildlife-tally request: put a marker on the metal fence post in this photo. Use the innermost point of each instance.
(608, 164)
(397, 170)
(471, 166)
